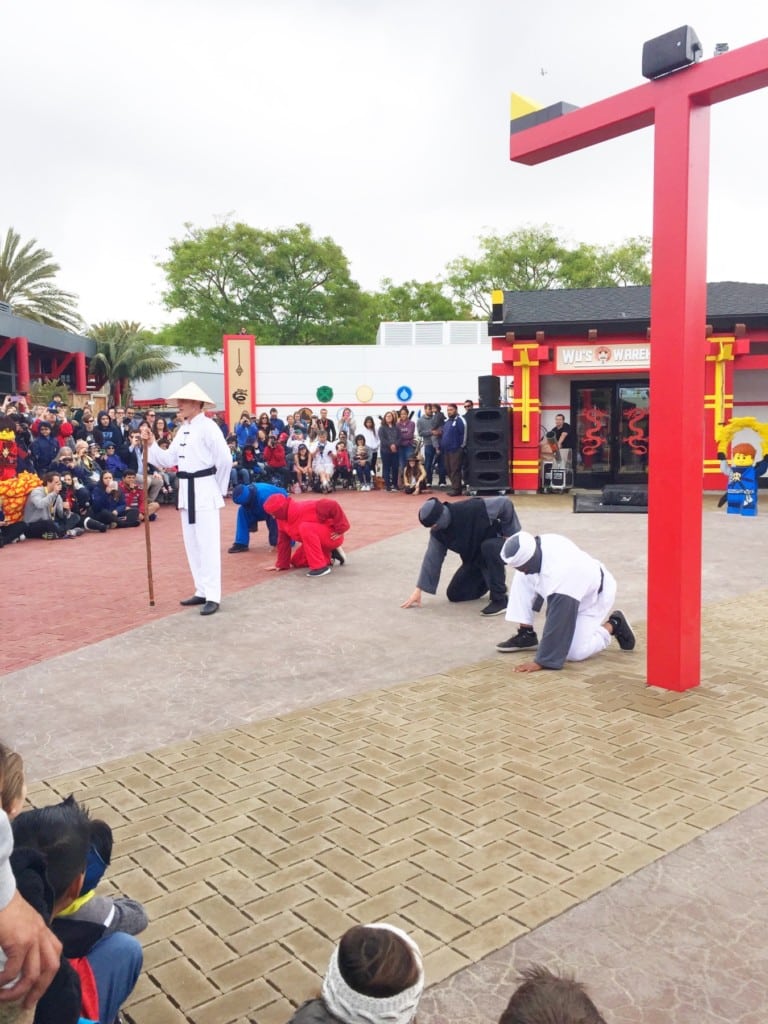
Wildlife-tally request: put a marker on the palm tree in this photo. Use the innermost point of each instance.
(26, 283)
(125, 353)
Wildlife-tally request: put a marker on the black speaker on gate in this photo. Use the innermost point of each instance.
(671, 52)
(487, 449)
(489, 392)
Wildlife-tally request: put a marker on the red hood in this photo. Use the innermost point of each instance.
(277, 505)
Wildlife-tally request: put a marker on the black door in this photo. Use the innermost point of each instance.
(610, 420)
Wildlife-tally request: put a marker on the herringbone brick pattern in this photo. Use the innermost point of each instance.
(468, 807)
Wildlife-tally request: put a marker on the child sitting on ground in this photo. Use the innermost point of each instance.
(134, 497)
(322, 464)
(302, 467)
(342, 464)
(361, 463)
(97, 933)
(414, 476)
(375, 974)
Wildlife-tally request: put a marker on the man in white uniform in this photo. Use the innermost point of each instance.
(579, 593)
(204, 462)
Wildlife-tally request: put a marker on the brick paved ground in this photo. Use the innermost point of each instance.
(469, 806)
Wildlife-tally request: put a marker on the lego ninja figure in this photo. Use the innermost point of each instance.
(743, 473)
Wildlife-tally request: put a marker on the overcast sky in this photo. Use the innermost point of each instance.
(382, 123)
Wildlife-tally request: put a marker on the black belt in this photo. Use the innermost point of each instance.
(211, 471)
(602, 580)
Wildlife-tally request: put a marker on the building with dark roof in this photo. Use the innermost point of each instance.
(31, 351)
(586, 354)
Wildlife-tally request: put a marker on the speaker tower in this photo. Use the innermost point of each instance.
(487, 449)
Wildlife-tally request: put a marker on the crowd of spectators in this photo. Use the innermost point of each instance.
(65, 472)
(68, 471)
(400, 450)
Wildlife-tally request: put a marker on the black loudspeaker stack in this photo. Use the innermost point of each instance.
(487, 449)
(489, 392)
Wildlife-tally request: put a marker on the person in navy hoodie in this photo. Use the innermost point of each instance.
(107, 430)
(45, 448)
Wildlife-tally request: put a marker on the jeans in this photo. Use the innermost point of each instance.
(429, 461)
(238, 476)
(404, 452)
(389, 468)
(116, 964)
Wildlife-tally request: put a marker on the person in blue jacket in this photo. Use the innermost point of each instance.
(251, 498)
(245, 431)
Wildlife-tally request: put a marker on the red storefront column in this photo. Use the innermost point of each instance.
(22, 365)
(81, 375)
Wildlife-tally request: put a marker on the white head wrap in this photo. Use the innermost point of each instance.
(519, 549)
(353, 1007)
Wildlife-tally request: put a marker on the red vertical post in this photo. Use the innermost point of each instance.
(22, 365)
(678, 348)
(81, 377)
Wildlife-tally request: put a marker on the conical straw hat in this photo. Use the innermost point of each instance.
(191, 392)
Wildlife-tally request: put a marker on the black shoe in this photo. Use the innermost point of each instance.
(189, 601)
(524, 640)
(320, 572)
(237, 547)
(209, 607)
(337, 555)
(495, 608)
(622, 631)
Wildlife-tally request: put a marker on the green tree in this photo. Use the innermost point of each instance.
(534, 257)
(125, 353)
(417, 300)
(284, 286)
(27, 275)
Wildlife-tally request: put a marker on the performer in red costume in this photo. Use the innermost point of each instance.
(318, 526)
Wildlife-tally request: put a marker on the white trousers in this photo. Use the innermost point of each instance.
(589, 636)
(202, 542)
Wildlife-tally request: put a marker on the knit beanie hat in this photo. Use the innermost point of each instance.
(519, 549)
(353, 1007)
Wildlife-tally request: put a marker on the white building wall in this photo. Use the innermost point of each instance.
(207, 371)
(288, 377)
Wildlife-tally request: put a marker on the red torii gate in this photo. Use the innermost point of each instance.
(678, 107)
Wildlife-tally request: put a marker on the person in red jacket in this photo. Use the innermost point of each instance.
(274, 456)
(318, 526)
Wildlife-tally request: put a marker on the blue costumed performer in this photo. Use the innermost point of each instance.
(251, 498)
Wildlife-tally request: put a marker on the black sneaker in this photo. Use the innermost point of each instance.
(622, 631)
(524, 640)
(320, 572)
(495, 608)
(237, 547)
(337, 555)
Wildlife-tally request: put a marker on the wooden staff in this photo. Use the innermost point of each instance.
(147, 539)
